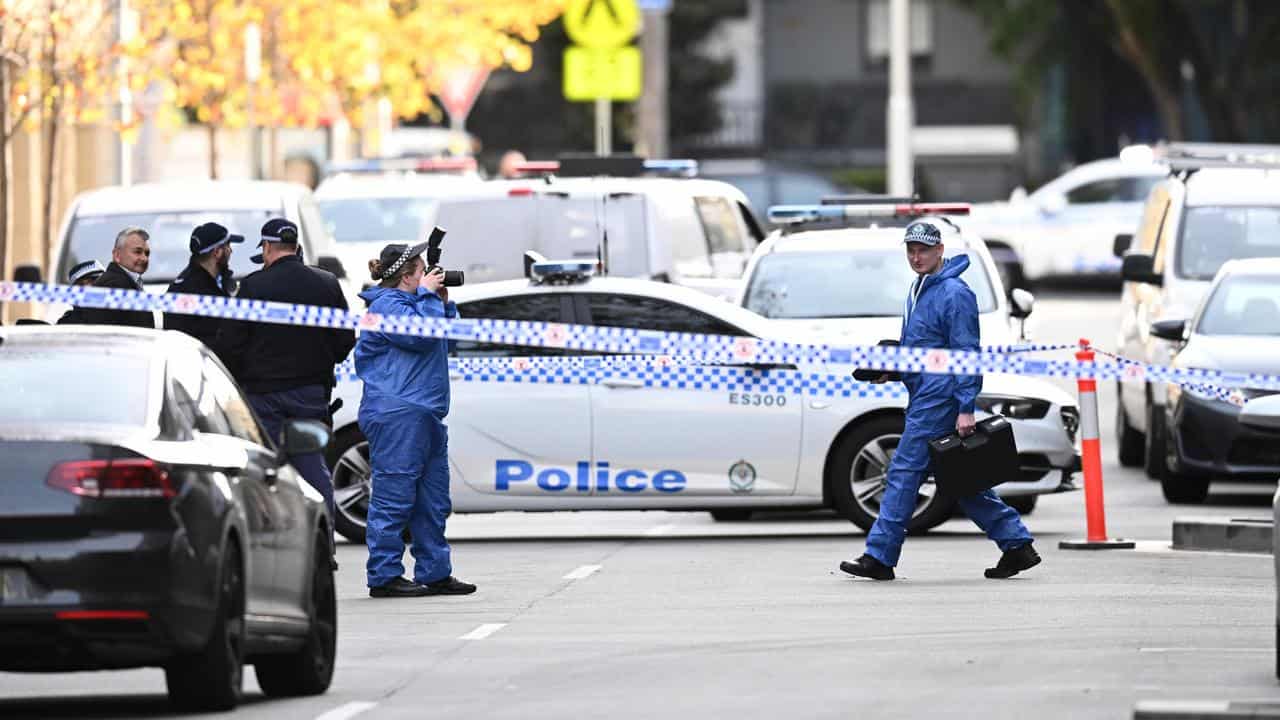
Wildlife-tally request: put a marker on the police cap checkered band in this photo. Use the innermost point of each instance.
(393, 257)
(924, 233)
(85, 269)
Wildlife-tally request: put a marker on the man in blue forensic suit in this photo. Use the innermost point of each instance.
(941, 312)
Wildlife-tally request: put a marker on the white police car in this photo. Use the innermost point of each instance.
(615, 444)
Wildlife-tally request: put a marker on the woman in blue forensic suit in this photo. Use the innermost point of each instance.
(406, 398)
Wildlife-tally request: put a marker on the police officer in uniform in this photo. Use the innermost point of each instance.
(208, 272)
(287, 371)
(85, 273)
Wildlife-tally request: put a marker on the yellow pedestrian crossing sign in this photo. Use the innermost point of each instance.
(611, 73)
(602, 23)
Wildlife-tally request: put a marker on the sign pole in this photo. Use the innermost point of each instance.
(604, 127)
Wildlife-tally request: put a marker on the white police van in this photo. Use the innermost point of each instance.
(615, 444)
(169, 211)
(640, 218)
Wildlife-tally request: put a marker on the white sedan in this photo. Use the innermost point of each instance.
(615, 444)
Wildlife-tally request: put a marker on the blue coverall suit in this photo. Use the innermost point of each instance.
(406, 398)
(944, 314)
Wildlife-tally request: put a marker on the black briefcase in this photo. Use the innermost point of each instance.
(968, 466)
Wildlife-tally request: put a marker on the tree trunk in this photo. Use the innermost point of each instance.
(4, 170)
(1165, 96)
(213, 151)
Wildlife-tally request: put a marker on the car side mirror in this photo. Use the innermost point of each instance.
(1121, 244)
(27, 274)
(333, 265)
(304, 437)
(1023, 302)
(1262, 413)
(1053, 203)
(1174, 330)
(1140, 268)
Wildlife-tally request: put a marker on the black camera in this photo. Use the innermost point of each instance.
(452, 278)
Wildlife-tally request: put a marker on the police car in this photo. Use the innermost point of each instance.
(615, 444)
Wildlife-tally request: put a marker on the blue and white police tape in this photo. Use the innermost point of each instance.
(726, 349)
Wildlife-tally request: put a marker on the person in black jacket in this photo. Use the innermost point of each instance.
(129, 260)
(287, 371)
(208, 272)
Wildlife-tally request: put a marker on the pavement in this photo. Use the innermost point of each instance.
(654, 614)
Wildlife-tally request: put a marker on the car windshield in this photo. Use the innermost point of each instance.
(1243, 305)
(48, 385)
(854, 283)
(1211, 236)
(378, 220)
(92, 237)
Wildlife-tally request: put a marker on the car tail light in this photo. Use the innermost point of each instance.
(112, 479)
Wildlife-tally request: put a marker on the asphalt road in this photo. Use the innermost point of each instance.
(641, 615)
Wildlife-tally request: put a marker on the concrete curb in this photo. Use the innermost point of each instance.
(1205, 709)
(1246, 535)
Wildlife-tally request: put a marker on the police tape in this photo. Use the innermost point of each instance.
(687, 348)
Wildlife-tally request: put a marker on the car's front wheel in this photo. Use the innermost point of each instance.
(352, 483)
(859, 471)
(309, 670)
(212, 679)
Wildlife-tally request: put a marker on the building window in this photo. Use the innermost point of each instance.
(878, 29)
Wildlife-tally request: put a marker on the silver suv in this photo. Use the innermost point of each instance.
(1219, 203)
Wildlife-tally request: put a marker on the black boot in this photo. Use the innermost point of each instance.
(1012, 562)
(399, 588)
(450, 586)
(868, 567)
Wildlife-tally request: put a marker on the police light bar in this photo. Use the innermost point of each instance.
(1196, 156)
(796, 214)
(612, 166)
(561, 272)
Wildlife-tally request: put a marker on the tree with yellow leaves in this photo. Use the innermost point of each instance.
(328, 56)
(57, 58)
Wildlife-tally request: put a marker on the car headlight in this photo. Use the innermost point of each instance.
(1071, 421)
(1014, 408)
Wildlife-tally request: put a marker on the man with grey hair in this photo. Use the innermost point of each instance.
(129, 260)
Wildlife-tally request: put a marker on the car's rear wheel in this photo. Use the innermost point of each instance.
(352, 476)
(213, 678)
(858, 473)
(1130, 444)
(1154, 450)
(309, 670)
(731, 515)
(1024, 504)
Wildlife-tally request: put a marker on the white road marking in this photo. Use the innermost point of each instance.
(483, 631)
(1219, 650)
(659, 530)
(582, 572)
(348, 711)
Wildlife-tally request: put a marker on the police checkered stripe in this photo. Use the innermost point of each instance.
(698, 348)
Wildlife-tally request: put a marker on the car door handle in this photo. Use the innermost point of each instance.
(622, 383)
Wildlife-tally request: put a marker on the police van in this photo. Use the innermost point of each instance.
(169, 211)
(617, 443)
(650, 219)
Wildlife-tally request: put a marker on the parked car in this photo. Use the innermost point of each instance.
(767, 183)
(146, 520)
(1067, 226)
(1235, 329)
(1218, 205)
